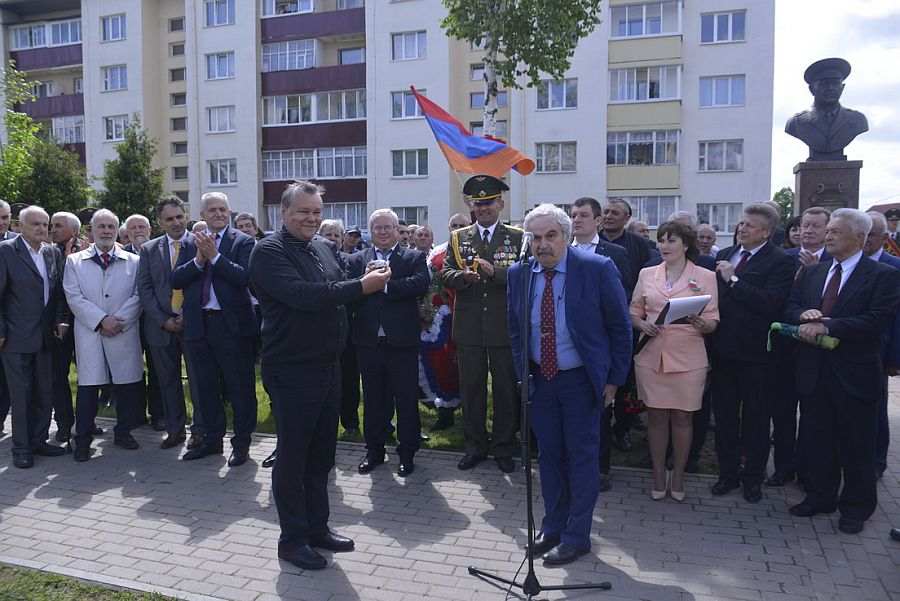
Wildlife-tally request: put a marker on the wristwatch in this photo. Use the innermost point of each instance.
(733, 280)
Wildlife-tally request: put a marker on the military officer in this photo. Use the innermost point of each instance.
(892, 242)
(475, 267)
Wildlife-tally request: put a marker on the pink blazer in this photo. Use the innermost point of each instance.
(677, 348)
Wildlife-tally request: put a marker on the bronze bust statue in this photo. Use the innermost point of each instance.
(828, 127)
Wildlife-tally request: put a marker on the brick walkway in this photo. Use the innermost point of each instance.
(198, 531)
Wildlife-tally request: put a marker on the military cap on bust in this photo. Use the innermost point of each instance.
(828, 68)
(484, 188)
(85, 215)
(16, 208)
(892, 214)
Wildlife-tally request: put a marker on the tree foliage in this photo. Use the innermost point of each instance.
(132, 184)
(785, 200)
(57, 180)
(16, 156)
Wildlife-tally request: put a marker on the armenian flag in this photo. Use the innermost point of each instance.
(467, 153)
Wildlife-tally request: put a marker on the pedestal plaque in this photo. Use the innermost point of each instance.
(828, 184)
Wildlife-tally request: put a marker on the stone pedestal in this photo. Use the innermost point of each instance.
(828, 184)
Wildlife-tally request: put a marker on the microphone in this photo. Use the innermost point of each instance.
(525, 251)
(823, 341)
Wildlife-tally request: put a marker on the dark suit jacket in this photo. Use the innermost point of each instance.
(397, 310)
(155, 288)
(230, 280)
(749, 307)
(795, 252)
(864, 310)
(706, 262)
(25, 322)
(891, 339)
(619, 256)
(596, 316)
(640, 253)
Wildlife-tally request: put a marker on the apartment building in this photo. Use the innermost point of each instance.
(246, 95)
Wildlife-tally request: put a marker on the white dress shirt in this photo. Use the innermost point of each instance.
(847, 267)
(588, 246)
(490, 230)
(41, 266)
(736, 257)
(213, 304)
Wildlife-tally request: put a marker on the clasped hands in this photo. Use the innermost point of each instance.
(111, 326)
(813, 326)
(375, 278)
(206, 247)
(174, 325)
(471, 276)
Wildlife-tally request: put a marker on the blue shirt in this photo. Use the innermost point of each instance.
(567, 356)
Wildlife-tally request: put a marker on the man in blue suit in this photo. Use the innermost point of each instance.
(219, 326)
(578, 353)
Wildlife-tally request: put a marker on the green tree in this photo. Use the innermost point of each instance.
(132, 184)
(16, 156)
(57, 180)
(785, 200)
(520, 38)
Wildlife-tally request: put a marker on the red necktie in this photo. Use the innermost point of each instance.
(830, 296)
(105, 258)
(745, 256)
(549, 366)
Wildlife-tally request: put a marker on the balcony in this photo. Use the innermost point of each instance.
(336, 190)
(317, 79)
(47, 58)
(314, 135)
(313, 25)
(53, 106)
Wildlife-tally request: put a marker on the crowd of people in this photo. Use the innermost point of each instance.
(572, 305)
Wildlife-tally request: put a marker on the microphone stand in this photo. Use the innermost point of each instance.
(531, 586)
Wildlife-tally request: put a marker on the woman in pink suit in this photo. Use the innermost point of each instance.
(671, 369)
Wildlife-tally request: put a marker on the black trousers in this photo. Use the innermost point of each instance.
(152, 396)
(29, 377)
(167, 363)
(63, 411)
(622, 422)
(841, 433)
(350, 388)
(474, 364)
(784, 402)
(4, 396)
(390, 374)
(701, 421)
(224, 360)
(883, 436)
(305, 399)
(740, 402)
(129, 409)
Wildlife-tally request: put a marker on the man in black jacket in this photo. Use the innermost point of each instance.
(755, 279)
(386, 334)
(302, 292)
(854, 300)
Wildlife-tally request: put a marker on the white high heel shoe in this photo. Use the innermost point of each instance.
(659, 495)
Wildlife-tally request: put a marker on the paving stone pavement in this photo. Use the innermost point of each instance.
(199, 531)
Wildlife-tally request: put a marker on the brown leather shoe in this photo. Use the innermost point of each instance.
(172, 440)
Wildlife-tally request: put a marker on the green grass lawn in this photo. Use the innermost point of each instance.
(18, 584)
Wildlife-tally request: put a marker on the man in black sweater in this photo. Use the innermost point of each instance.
(302, 291)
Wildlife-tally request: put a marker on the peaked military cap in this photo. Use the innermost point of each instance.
(482, 188)
(85, 215)
(827, 68)
(16, 208)
(892, 214)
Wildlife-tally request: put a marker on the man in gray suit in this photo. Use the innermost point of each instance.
(31, 308)
(162, 322)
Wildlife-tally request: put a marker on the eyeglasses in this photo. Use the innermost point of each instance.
(383, 228)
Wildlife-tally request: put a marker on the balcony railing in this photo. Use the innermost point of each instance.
(47, 58)
(316, 135)
(314, 25)
(336, 190)
(317, 79)
(53, 106)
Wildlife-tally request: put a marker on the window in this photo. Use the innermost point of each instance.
(342, 105)
(178, 99)
(178, 123)
(476, 72)
(652, 18)
(314, 163)
(179, 173)
(176, 24)
(339, 162)
(352, 56)
(555, 157)
(286, 7)
(405, 106)
(652, 210)
(722, 155)
(221, 119)
(65, 32)
(220, 65)
(78, 85)
(561, 94)
(345, 4)
(476, 99)
(723, 91)
(410, 163)
(501, 130)
(642, 84)
(115, 78)
(112, 28)
(408, 46)
(642, 147)
(179, 148)
(176, 74)
(723, 216)
(223, 172)
(287, 56)
(28, 36)
(176, 49)
(68, 130)
(412, 215)
(43, 89)
(219, 12)
(351, 213)
(723, 27)
(115, 127)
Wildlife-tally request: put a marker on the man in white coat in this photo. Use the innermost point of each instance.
(101, 287)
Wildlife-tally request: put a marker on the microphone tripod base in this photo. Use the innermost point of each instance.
(531, 587)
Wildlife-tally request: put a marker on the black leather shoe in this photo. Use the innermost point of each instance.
(172, 440)
(779, 479)
(605, 483)
(158, 425)
(805, 509)
(48, 450)
(97, 431)
(332, 541)
(23, 461)
(304, 557)
(406, 468)
(82, 453)
(895, 534)
(850, 525)
(506, 464)
(195, 442)
(270, 460)
(622, 442)
(238, 457)
(543, 543)
(63, 435)
(752, 493)
(469, 461)
(203, 451)
(562, 554)
(126, 441)
(725, 486)
(370, 462)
